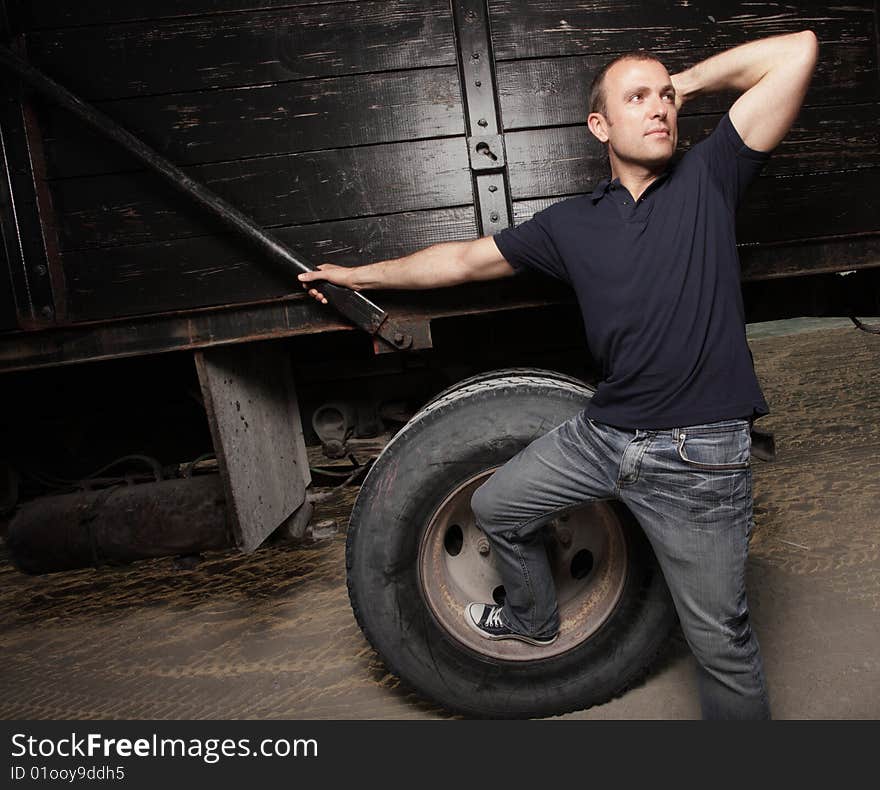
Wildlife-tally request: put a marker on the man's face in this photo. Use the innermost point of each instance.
(641, 122)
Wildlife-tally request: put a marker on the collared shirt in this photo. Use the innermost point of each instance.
(658, 283)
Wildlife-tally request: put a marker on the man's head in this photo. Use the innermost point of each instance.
(632, 109)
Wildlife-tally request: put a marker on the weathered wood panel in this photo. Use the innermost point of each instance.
(282, 190)
(131, 280)
(219, 51)
(320, 119)
(568, 160)
(253, 413)
(138, 336)
(792, 208)
(787, 260)
(805, 206)
(554, 91)
(235, 123)
(37, 14)
(547, 28)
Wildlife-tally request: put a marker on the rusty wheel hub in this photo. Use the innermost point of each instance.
(588, 556)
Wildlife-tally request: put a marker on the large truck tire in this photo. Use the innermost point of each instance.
(415, 559)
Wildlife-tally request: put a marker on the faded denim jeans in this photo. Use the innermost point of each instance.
(690, 488)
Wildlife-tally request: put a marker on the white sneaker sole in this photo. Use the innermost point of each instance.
(518, 637)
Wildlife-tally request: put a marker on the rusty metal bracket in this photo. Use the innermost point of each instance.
(353, 305)
(485, 135)
(486, 152)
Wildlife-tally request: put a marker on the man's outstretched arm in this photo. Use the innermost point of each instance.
(774, 73)
(437, 266)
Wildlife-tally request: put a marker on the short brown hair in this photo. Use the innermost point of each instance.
(597, 88)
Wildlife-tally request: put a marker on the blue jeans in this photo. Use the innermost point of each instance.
(690, 488)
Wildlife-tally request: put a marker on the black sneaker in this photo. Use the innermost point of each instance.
(486, 620)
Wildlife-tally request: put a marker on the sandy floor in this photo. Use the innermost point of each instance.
(271, 635)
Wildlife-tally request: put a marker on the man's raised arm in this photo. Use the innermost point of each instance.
(437, 266)
(774, 73)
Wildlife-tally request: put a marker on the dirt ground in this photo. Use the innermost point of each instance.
(271, 634)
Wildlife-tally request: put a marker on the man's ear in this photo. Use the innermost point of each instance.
(598, 126)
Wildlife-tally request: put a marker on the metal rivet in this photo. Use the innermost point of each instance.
(478, 83)
(398, 338)
(40, 269)
(46, 311)
(493, 188)
(476, 55)
(483, 547)
(494, 216)
(482, 122)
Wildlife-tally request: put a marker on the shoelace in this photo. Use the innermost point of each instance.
(494, 618)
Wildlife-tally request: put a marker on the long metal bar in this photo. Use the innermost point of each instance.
(483, 114)
(353, 305)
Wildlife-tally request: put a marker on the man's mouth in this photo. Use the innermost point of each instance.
(658, 131)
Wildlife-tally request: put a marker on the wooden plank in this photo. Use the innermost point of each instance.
(790, 258)
(226, 50)
(798, 207)
(299, 315)
(548, 28)
(787, 260)
(255, 425)
(553, 91)
(791, 208)
(569, 160)
(234, 123)
(294, 316)
(118, 281)
(63, 13)
(132, 337)
(137, 207)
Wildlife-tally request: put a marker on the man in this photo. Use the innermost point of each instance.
(651, 256)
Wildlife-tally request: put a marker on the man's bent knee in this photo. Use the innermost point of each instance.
(483, 505)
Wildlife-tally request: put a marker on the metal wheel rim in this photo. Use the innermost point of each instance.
(589, 572)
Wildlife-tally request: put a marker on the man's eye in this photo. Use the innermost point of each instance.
(635, 96)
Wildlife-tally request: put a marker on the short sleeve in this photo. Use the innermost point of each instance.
(530, 245)
(731, 162)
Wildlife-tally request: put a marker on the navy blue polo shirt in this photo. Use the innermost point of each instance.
(658, 283)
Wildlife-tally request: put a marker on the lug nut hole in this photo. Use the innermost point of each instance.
(453, 540)
(582, 564)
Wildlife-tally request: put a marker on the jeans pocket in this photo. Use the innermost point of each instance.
(716, 450)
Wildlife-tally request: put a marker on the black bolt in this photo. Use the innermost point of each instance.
(46, 311)
(40, 269)
(494, 216)
(478, 83)
(493, 188)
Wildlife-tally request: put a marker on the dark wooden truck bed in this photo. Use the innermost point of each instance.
(344, 127)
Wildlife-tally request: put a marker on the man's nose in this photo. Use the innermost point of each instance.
(659, 109)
